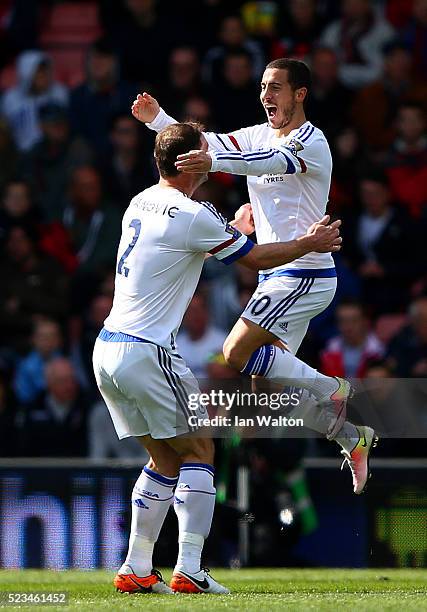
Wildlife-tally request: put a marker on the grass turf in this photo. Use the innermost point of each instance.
(252, 589)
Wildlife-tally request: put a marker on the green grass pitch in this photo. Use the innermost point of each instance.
(252, 589)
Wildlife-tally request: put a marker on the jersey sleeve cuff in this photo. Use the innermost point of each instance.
(215, 163)
(161, 121)
(244, 250)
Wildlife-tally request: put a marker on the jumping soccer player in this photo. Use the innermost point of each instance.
(288, 185)
(143, 380)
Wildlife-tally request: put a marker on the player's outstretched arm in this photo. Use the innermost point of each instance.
(146, 109)
(320, 238)
(255, 163)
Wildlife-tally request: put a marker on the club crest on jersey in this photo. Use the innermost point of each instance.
(295, 147)
(233, 231)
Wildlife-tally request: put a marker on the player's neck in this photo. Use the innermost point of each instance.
(297, 121)
(184, 183)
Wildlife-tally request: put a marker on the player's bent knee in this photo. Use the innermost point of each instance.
(233, 355)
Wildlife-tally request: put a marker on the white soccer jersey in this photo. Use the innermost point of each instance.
(165, 236)
(288, 179)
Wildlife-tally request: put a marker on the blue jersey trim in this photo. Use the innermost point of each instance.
(108, 336)
(166, 480)
(300, 273)
(244, 250)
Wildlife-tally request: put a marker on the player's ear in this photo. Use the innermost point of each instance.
(300, 94)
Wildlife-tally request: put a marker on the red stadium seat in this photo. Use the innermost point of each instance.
(68, 30)
(71, 23)
(389, 325)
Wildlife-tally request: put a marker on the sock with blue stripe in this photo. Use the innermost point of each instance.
(194, 506)
(277, 363)
(152, 497)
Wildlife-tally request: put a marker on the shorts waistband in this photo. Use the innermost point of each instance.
(108, 336)
(300, 273)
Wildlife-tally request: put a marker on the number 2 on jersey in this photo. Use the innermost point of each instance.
(121, 268)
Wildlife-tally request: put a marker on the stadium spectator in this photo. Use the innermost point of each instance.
(375, 107)
(92, 224)
(301, 26)
(33, 284)
(8, 155)
(328, 102)
(21, 104)
(143, 36)
(407, 351)
(47, 166)
(232, 37)
(374, 239)
(414, 36)
(184, 80)
(349, 157)
(30, 372)
(358, 38)
(199, 339)
(407, 159)
(52, 239)
(100, 97)
(55, 425)
(128, 168)
(237, 89)
(349, 353)
(16, 207)
(198, 109)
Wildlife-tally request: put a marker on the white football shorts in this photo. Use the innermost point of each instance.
(284, 305)
(145, 387)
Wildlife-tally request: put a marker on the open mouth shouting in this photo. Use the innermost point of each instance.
(271, 111)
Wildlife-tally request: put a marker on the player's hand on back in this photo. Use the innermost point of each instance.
(194, 161)
(324, 236)
(145, 108)
(243, 220)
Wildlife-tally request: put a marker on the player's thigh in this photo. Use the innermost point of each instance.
(127, 419)
(298, 317)
(164, 390)
(244, 338)
(284, 306)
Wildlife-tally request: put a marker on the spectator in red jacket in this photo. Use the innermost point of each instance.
(349, 353)
(407, 160)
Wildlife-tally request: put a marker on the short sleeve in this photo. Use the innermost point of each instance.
(210, 233)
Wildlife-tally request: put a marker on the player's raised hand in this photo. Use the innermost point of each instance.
(324, 236)
(243, 220)
(194, 161)
(145, 108)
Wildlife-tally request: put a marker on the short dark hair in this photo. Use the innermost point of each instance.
(299, 74)
(172, 141)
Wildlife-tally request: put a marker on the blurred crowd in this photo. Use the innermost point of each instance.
(72, 156)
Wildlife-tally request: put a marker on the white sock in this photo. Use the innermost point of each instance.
(277, 363)
(151, 498)
(319, 419)
(194, 506)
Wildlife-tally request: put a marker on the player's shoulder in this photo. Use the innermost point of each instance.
(308, 134)
(208, 210)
